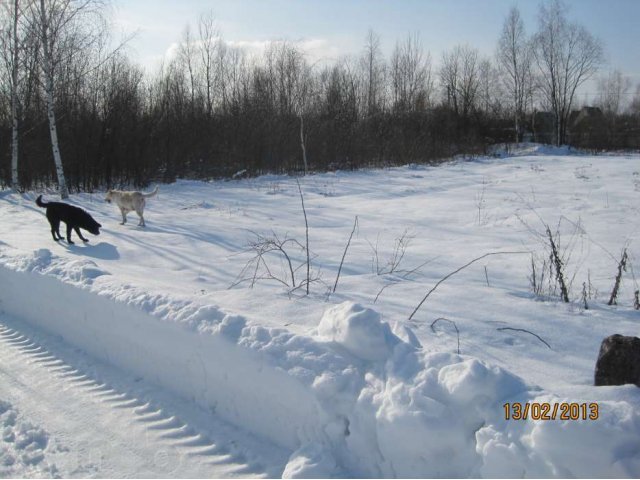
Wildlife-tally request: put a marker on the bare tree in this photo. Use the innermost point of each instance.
(19, 52)
(514, 60)
(373, 68)
(291, 79)
(187, 54)
(459, 76)
(412, 85)
(489, 88)
(68, 30)
(634, 106)
(50, 27)
(209, 44)
(611, 90)
(238, 77)
(224, 58)
(450, 78)
(11, 58)
(303, 97)
(566, 56)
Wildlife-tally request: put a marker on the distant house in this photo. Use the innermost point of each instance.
(542, 127)
(586, 127)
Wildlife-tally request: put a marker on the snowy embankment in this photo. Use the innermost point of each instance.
(353, 398)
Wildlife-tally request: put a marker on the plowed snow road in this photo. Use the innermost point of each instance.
(62, 413)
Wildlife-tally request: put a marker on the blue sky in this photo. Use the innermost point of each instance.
(330, 28)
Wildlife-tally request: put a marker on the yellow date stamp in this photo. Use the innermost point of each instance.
(551, 411)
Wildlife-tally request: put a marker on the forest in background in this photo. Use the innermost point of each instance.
(79, 114)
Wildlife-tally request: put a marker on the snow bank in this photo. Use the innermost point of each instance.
(359, 330)
(530, 150)
(605, 448)
(354, 398)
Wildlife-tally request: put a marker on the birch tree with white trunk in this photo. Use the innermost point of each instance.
(514, 59)
(49, 30)
(68, 30)
(10, 43)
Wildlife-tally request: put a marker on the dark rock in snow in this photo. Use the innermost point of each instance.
(618, 361)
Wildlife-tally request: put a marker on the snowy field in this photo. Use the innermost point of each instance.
(172, 350)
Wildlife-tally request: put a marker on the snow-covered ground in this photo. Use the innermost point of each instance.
(268, 381)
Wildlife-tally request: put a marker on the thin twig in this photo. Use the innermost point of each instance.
(306, 224)
(382, 290)
(405, 274)
(526, 331)
(375, 252)
(456, 271)
(344, 254)
(454, 326)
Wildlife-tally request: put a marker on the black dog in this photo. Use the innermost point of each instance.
(75, 218)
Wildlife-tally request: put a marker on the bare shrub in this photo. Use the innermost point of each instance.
(584, 296)
(538, 275)
(392, 264)
(551, 266)
(274, 259)
(481, 204)
(622, 267)
(558, 265)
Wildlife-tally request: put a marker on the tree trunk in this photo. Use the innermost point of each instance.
(304, 150)
(53, 130)
(14, 144)
(14, 103)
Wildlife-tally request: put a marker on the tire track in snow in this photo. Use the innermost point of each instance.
(105, 422)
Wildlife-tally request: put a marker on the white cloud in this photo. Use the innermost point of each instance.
(316, 50)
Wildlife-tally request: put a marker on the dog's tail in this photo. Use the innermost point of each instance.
(152, 194)
(40, 203)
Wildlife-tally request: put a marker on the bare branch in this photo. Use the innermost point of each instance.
(526, 331)
(442, 319)
(344, 254)
(442, 280)
(306, 224)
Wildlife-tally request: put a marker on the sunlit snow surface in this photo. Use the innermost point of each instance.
(345, 382)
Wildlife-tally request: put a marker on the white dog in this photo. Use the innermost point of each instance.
(129, 201)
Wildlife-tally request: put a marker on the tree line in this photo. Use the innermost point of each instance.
(79, 114)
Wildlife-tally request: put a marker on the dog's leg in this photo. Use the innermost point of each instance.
(123, 211)
(69, 234)
(54, 230)
(54, 221)
(140, 212)
(80, 234)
